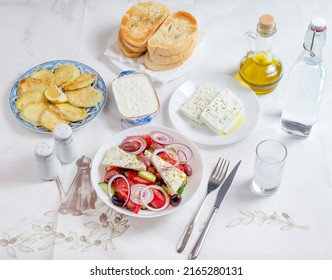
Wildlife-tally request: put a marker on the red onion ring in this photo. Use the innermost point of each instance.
(136, 139)
(183, 151)
(138, 195)
(161, 137)
(163, 192)
(169, 153)
(110, 184)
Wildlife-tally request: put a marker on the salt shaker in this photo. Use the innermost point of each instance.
(65, 148)
(48, 164)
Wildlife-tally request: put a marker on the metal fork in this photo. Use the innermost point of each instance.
(216, 178)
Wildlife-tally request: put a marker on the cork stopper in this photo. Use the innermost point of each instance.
(266, 22)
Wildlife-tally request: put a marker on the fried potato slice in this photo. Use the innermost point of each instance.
(66, 74)
(85, 97)
(70, 112)
(32, 111)
(30, 84)
(49, 118)
(28, 97)
(45, 75)
(82, 81)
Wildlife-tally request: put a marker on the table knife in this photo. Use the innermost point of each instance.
(221, 194)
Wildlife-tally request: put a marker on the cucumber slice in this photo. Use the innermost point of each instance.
(103, 186)
(147, 175)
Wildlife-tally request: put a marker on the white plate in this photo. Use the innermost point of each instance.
(98, 170)
(122, 62)
(201, 133)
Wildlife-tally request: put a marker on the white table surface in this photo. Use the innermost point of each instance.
(32, 32)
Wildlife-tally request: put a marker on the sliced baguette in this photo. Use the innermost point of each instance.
(174, 36)
(159, 59)
(141, 21)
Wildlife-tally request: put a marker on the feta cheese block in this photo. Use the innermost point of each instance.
(223, 113)
(117, 157)
(198, 101)
(173, 177)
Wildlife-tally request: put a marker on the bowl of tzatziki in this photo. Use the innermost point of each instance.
(136, 97)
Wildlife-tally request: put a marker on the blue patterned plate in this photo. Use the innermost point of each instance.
(92, 112)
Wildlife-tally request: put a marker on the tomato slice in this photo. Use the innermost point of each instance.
(147, 139)
(158, 200)
(132, 176)
(113, 170)
(132, 206)
(120, 187)
(167, 158)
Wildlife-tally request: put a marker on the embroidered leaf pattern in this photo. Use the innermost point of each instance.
(285, 222)
(102, 225)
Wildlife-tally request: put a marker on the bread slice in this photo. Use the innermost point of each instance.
(126, 51)
(159, 67)
(141, 21)
(175, 35)
(160, 59)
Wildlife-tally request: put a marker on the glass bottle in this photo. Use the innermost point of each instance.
(260, 69)
(305, 83)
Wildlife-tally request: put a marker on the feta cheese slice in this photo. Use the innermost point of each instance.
(118, 157)
(198, 101)
(224, 110)
(173, 177)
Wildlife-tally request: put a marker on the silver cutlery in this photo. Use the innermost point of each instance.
(216, 178)
(221, 194)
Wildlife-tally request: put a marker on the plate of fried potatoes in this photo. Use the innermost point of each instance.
(56, 92)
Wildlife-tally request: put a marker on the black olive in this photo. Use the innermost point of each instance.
(118, 201)
(175, 200)
(187, 169)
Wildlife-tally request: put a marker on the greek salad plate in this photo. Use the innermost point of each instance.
(99, 170)
(92, 112)
(200, 133)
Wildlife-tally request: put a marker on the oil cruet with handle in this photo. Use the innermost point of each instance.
(260, 69)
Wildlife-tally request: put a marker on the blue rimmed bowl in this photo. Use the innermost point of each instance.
(136, 97)
(52, 65)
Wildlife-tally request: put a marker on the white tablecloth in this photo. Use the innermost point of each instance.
(295, 223)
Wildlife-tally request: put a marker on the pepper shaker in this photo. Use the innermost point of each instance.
(65, 148)
(47, 163)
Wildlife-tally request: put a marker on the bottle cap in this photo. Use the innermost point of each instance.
(318, 24)
(266, 22)
(62, 132)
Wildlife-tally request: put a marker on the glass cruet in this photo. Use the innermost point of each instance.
(260, 69)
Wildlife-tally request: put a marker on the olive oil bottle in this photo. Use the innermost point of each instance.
(260, 69)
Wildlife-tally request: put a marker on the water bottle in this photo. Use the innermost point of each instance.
(305, 83)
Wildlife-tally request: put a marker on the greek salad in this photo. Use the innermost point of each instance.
(147, 172)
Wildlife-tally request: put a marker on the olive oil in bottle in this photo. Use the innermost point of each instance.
(260, 69)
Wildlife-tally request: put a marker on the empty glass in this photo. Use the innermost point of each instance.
(269, 164)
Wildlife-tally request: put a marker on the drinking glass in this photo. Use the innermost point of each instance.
(269, 164)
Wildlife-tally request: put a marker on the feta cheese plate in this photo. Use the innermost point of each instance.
(109, 148)
(200, 133)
